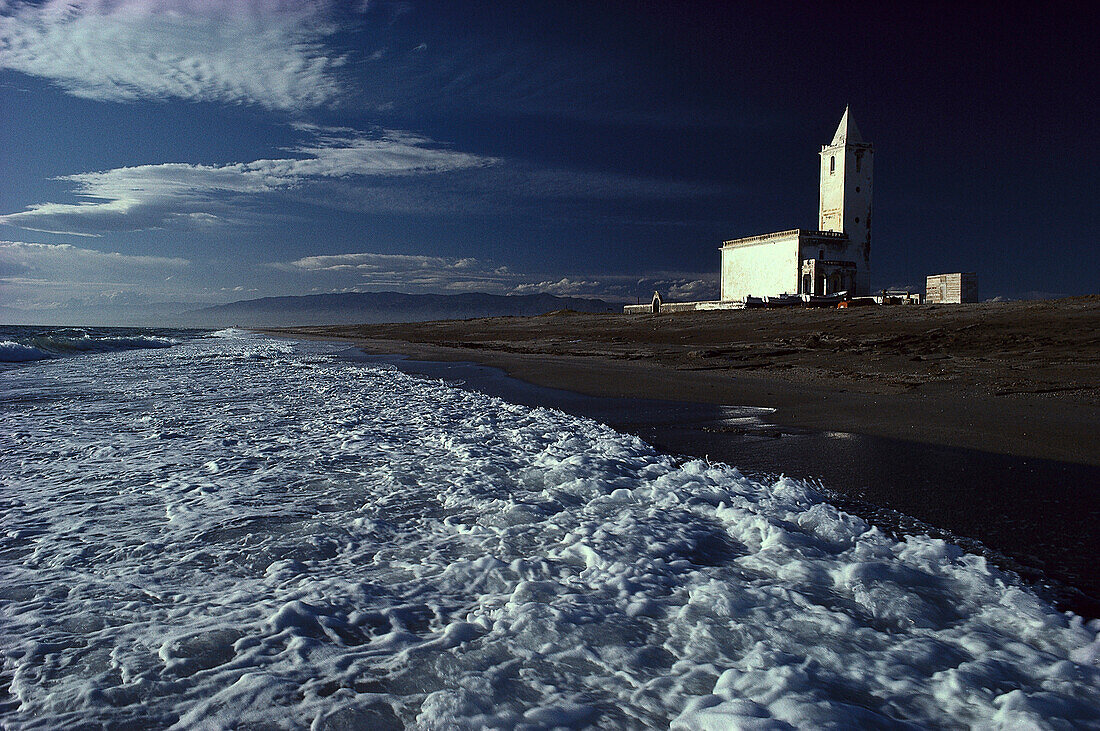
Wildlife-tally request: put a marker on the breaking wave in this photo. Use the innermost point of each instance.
(13, 352)
(74, 342)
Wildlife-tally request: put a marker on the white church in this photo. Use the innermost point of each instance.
(836, 257)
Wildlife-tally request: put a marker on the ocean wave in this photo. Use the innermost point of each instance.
(54, 345)
(13, 352)
(229, 332)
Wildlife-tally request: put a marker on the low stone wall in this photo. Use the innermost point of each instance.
(637, 309)
(667, 307)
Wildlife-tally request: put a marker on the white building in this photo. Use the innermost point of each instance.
(957, 287)
(834, 258)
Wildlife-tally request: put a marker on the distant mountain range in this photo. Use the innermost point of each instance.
(371, 307)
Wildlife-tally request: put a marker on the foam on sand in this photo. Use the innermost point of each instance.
(317, 542)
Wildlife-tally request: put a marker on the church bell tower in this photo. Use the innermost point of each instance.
(845, 202)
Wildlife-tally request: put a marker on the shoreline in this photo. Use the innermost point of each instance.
(1010, 475)
(1020, 425)
(1019, 378)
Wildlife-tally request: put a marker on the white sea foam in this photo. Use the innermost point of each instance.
(229, 332)
(242, 531)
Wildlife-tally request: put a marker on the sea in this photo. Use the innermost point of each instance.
(226, 530)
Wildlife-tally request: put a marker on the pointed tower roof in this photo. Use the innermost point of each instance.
(847, 132)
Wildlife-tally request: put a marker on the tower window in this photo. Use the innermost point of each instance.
(832, 163)
(859, 162)
(857, 219)
(857, 188)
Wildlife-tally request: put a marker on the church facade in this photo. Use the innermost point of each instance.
(837, 256)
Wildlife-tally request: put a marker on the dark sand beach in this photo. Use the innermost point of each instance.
(980, 420)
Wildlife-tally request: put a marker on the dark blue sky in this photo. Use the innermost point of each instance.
(208, 150)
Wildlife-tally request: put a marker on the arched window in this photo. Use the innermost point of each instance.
(832, 163)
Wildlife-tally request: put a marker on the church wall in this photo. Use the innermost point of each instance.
(838, 248)
(841, 249)
(768, 268)
(825, 256)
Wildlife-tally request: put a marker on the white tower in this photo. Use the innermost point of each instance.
(845, 203)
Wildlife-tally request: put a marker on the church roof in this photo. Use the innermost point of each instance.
(847, 132)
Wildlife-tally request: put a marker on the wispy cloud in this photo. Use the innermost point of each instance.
(182, 195)
(46, 277)
(33, 260)
(367, 271)
(430, 68)
(370, 262)
(673, 286)
(341, 169)
(269, 53)
(405, 272)
(515, 188)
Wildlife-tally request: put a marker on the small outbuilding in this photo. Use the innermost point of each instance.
(953, 288)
